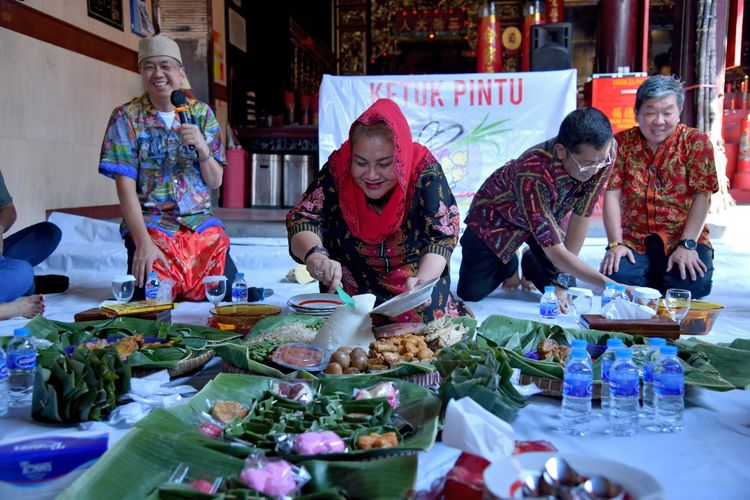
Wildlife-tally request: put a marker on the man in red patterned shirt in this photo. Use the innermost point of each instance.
(526, 200)
(658, 196)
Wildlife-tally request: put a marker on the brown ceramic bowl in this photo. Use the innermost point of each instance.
(242, 317)
(700, 319)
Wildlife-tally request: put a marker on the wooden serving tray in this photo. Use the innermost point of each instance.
(655, 327)
(95, 314)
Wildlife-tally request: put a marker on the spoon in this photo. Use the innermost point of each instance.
(601, 487)
(345, 297)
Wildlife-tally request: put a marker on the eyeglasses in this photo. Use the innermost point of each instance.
(595, 166)
(165, 66)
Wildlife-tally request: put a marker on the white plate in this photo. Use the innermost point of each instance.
(310, 312)
(315, 301)
(406, 301)
(501, 475)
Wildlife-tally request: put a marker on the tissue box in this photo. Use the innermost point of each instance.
(41, 468)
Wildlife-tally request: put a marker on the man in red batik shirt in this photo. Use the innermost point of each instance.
(658, 196)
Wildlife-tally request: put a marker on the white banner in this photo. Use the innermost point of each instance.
(472, 123)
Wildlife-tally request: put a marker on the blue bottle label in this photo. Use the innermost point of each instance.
(578, 385)
(606, 300)
(548, 309)
(606, 365)
(22, 361)
(669, 384)
(624, 386)
(239, 294)
(3, 371)
(151, 291)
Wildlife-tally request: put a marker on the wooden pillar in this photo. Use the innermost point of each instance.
(617, 39)
(683, 52)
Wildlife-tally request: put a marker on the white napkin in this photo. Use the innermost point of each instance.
(147, 393)
(347, 326)
(623, 309)
(470, 428)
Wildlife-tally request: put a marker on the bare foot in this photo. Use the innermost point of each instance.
(512, 282)
(527, 285)
(28, 307)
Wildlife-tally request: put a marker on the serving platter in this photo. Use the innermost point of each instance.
(502, 477)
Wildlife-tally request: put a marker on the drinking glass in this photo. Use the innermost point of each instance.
(216, 288)
(123, 287)
(579, 301)
(677, 303)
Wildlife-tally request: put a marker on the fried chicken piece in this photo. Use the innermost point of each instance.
(127, 346)
(383, 346)
(99, 344)
(425, 354)
(376, 364)
(225, 411)
(391, 358)
(550, 349)
(375, 440)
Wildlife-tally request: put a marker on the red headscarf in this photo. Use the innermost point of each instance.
(409, 158)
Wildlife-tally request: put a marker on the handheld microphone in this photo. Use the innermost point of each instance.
(179, 101)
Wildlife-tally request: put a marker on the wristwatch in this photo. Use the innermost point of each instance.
(315, 249)
(613, 244)
(689, 244)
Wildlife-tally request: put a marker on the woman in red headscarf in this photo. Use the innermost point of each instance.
(380, 217)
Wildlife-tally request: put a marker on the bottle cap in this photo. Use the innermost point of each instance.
(549, 289)
(615, 342)
(609, 285)
(657, 342)
(669, 350)
(21, 332)
(152, 274)
(623, 353)
(620, 288)
(240, 275)
(576, 343)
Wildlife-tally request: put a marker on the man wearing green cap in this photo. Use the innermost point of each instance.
(164, 171)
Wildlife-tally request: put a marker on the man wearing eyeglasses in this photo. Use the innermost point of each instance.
(527, 200)
(658, 197)
(164, 171)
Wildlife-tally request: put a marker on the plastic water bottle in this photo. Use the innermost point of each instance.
(652, 355)
(578, 382)
(669, 388)
(624, 387)
(608, 294)
(152, 286)
(3, 383)
(579, 344)
(21, 368)
(549, 308)
(621, 293)
(607, 359)
(239, 289)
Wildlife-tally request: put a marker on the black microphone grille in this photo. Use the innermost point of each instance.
(178, 98)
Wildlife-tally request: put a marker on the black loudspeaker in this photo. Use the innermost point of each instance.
(551, 46)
